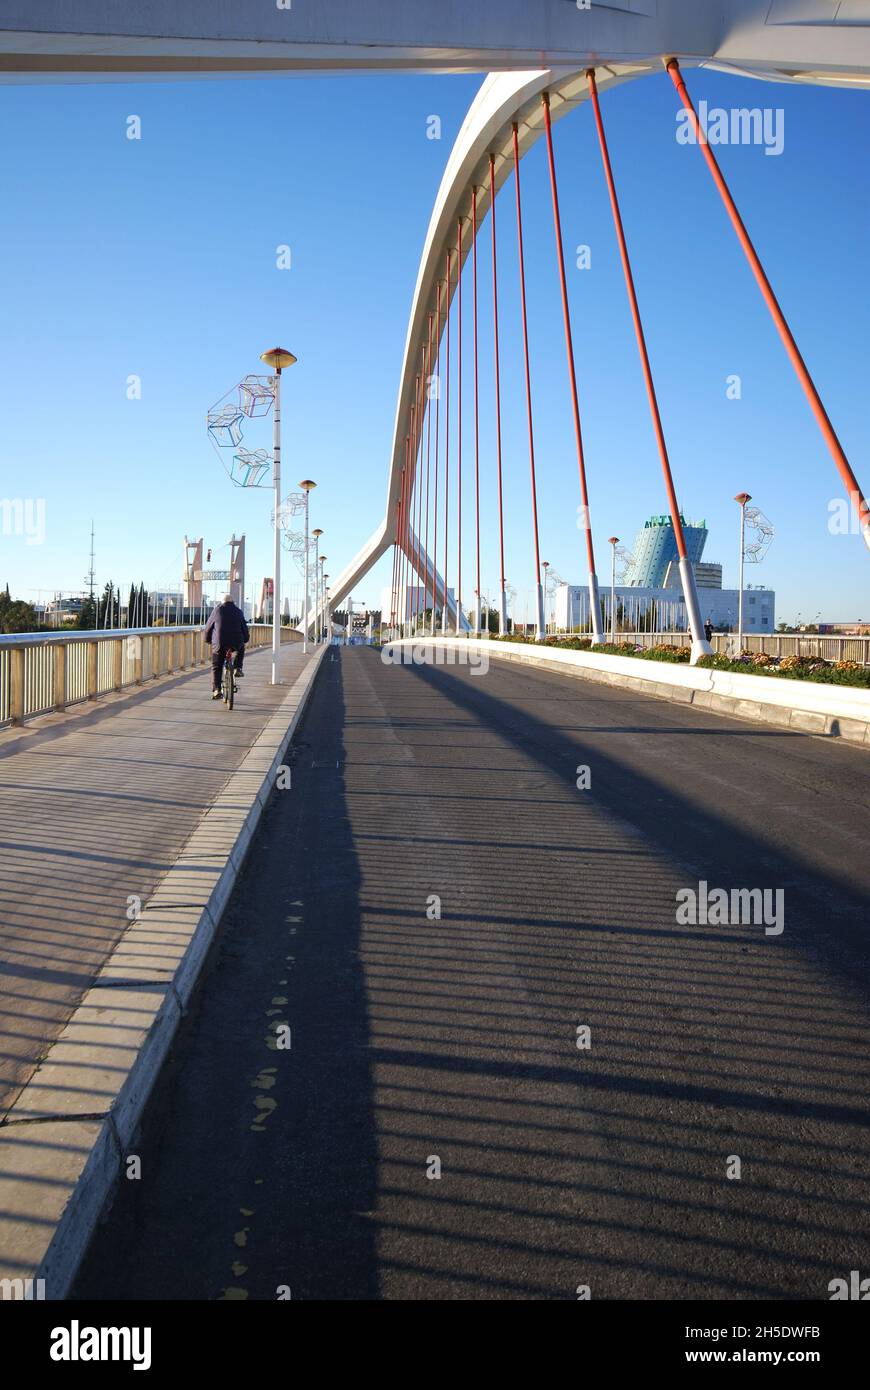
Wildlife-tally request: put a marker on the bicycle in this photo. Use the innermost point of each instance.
(229, 680)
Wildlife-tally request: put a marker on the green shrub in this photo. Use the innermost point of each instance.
(616, 649)
(570, 644)
(663, 651)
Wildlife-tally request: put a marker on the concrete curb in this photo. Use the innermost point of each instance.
(806, 707)
(67, 1137)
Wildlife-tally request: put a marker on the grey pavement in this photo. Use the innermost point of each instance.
(95, 805)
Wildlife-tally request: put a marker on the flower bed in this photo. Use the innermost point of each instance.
(748, 663)
(796, 668)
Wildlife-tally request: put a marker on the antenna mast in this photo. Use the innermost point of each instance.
(89, 577)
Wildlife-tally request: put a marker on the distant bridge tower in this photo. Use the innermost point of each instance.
(266, 595)
(237, 570)
(192, 581)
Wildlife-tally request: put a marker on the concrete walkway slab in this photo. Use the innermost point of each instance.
(95, 817)
(66, 1137)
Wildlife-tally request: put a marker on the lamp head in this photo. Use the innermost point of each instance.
(277, 358)
(306, 485)
(743, 498)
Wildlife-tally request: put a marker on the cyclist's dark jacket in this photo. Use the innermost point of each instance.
(226, 628)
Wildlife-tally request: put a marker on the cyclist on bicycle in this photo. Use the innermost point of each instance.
(227, 630)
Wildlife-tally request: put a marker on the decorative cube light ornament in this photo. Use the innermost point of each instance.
(250, 466)
(225, 425)
(256, 394)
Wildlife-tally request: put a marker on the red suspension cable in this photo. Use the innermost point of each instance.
(409, 529)
(569, 343)
(428, 450)
(418, 467)
(638, 325)
(403, 570)
(526, 354)
(459, 424)
(842, 463)
(412, 413)
(412, 498)
(394, 589)
(409, 506)
(399, 547)
(393, 582)
(408, 510)
(497, 379)
(445, 613)
(437, 418)
(476, 423)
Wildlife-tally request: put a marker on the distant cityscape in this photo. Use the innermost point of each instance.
(647, 593)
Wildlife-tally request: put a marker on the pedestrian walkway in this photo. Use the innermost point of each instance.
(95, 806)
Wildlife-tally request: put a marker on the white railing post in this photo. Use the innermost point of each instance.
(93, 654)
(59, 689)
(16, 685)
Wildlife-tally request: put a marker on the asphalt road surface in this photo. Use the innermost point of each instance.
(425, 1044)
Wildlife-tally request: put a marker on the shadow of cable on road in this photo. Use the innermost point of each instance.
(258, 1158)
(558, 906)
(828, 919)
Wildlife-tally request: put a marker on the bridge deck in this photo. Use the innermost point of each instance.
(95, 806)
(415, 1037)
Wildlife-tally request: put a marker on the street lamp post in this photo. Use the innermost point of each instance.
(322, 599)
(277, 358)
(317, 533)
(545, 566)
(742, 498)
(306, 486)
(613, 542)
(326, 609)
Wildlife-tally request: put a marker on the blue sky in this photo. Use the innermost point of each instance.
(157, 258)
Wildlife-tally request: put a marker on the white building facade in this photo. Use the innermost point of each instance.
(663, 610)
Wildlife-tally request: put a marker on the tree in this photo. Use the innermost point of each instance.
(144, 615)
(16, 615)
(107, 606)
(87, 618)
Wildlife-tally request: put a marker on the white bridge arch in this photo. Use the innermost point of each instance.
(504, 99)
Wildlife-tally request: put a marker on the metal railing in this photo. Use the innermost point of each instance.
(41, 672)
